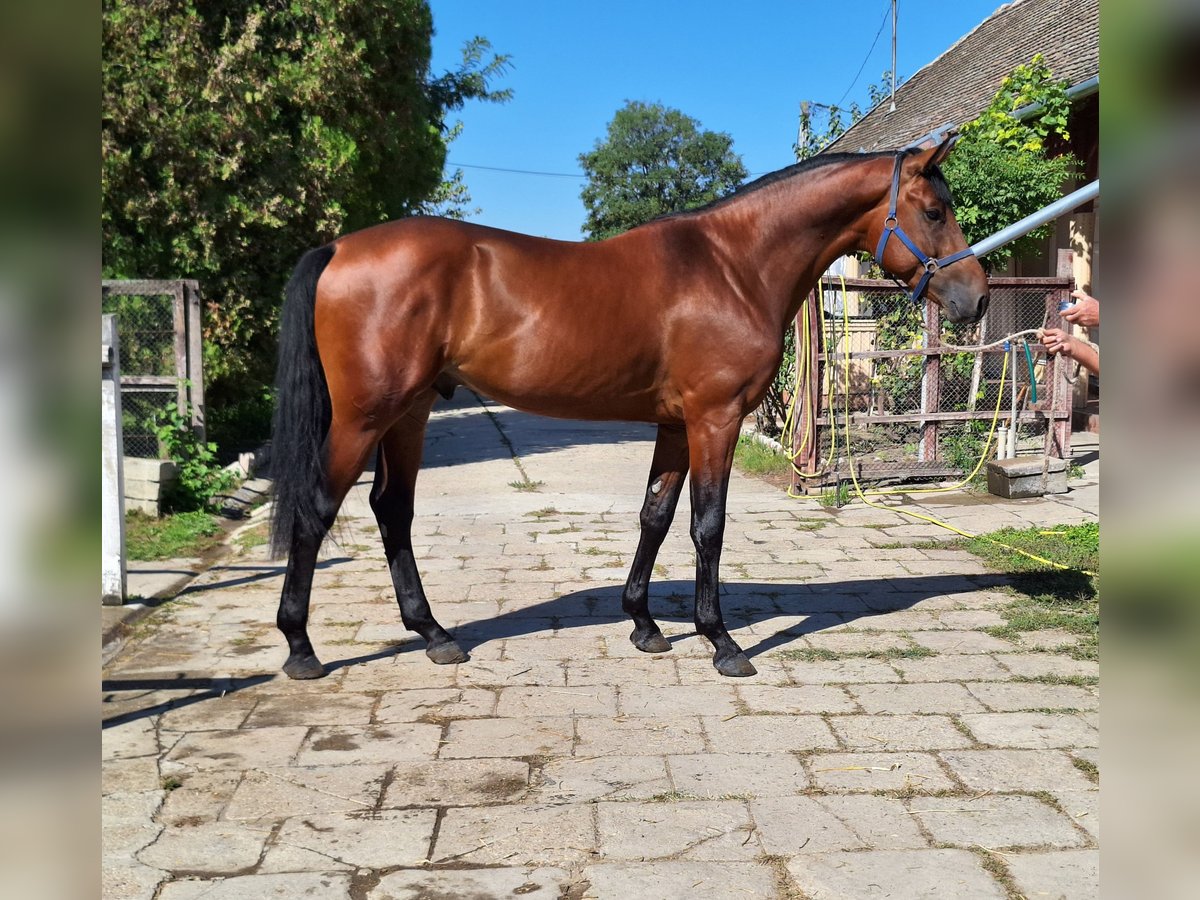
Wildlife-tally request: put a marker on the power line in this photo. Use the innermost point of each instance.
(517, 171)
(548, 174)
(866, 58)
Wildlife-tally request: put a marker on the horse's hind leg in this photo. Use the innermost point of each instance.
(392, 500)
(667, 472)
(346, 452)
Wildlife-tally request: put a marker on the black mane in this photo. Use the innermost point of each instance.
(940, 188)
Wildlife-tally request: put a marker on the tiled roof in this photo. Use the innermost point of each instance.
(957, 85)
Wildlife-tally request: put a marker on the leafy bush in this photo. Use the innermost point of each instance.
(773, 409)
(234, 136)
(200, 476)
(961, 447)
(1001, 170)
(242, 424)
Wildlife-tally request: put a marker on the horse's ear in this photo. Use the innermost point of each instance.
(942, 150)
(921, 161)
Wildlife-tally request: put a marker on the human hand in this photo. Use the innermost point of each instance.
(1056, 341)
(1085, 311)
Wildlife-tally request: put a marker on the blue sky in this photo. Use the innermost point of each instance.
(740, 68)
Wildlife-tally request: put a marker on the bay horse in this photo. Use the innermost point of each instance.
(678, 322)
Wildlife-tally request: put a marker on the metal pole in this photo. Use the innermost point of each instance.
(892, 108)
(1037, 219)
(1012, 432)
(112, 529)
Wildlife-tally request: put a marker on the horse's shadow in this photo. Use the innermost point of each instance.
(819, 606)
(807, 608)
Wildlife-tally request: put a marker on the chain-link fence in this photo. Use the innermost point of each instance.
(159, 327)
(892, 398)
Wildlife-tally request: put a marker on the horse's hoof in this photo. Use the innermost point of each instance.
(303, 668)
(446, 654)
(653, 643)
(736, 666)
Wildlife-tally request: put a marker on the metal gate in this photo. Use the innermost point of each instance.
(161, 365)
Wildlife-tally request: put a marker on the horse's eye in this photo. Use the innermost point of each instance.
(934, 215)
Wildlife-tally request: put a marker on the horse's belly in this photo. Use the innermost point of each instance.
(569, 391)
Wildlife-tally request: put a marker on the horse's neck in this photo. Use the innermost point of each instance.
(801, 225)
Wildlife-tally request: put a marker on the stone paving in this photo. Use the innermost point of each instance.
(889, 746)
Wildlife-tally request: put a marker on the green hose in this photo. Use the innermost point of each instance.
(1032, 377)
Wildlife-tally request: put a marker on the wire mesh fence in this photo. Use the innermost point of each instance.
(890, 397)
(159, 327)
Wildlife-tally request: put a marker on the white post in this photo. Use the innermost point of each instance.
(112, 560)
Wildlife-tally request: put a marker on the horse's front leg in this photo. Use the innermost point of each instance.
(711, 441)
(663, 488)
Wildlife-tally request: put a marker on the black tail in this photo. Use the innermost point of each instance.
(302, 410)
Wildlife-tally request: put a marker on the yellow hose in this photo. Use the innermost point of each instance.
(801, 378)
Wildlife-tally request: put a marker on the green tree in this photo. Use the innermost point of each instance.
(1001, 169)
(236, 135)
(654, 160)
(821, 124)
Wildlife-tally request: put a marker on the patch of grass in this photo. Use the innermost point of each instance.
(526, 485)
(1088, 768)
(673, 797)
(961, 728)
(821, 654)
(810, 654)
(785, 886)
(1074, 546)
(177, 535)
(170, 783)
(755, 458)
(1087, 650)
(1047, 597)
(1075, 471)
(253, 537)
(660, 570)
(570, 529)
(995, 865)
(916, 545)
(902, 653)
(835, 497)
(545, 512)
(811, 524)
(1027, 614)
(1077, 680)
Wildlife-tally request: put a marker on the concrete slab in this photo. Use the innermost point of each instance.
(902, 875)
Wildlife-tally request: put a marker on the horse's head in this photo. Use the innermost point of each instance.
(918, 240)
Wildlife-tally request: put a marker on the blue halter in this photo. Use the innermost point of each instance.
(892, 226)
